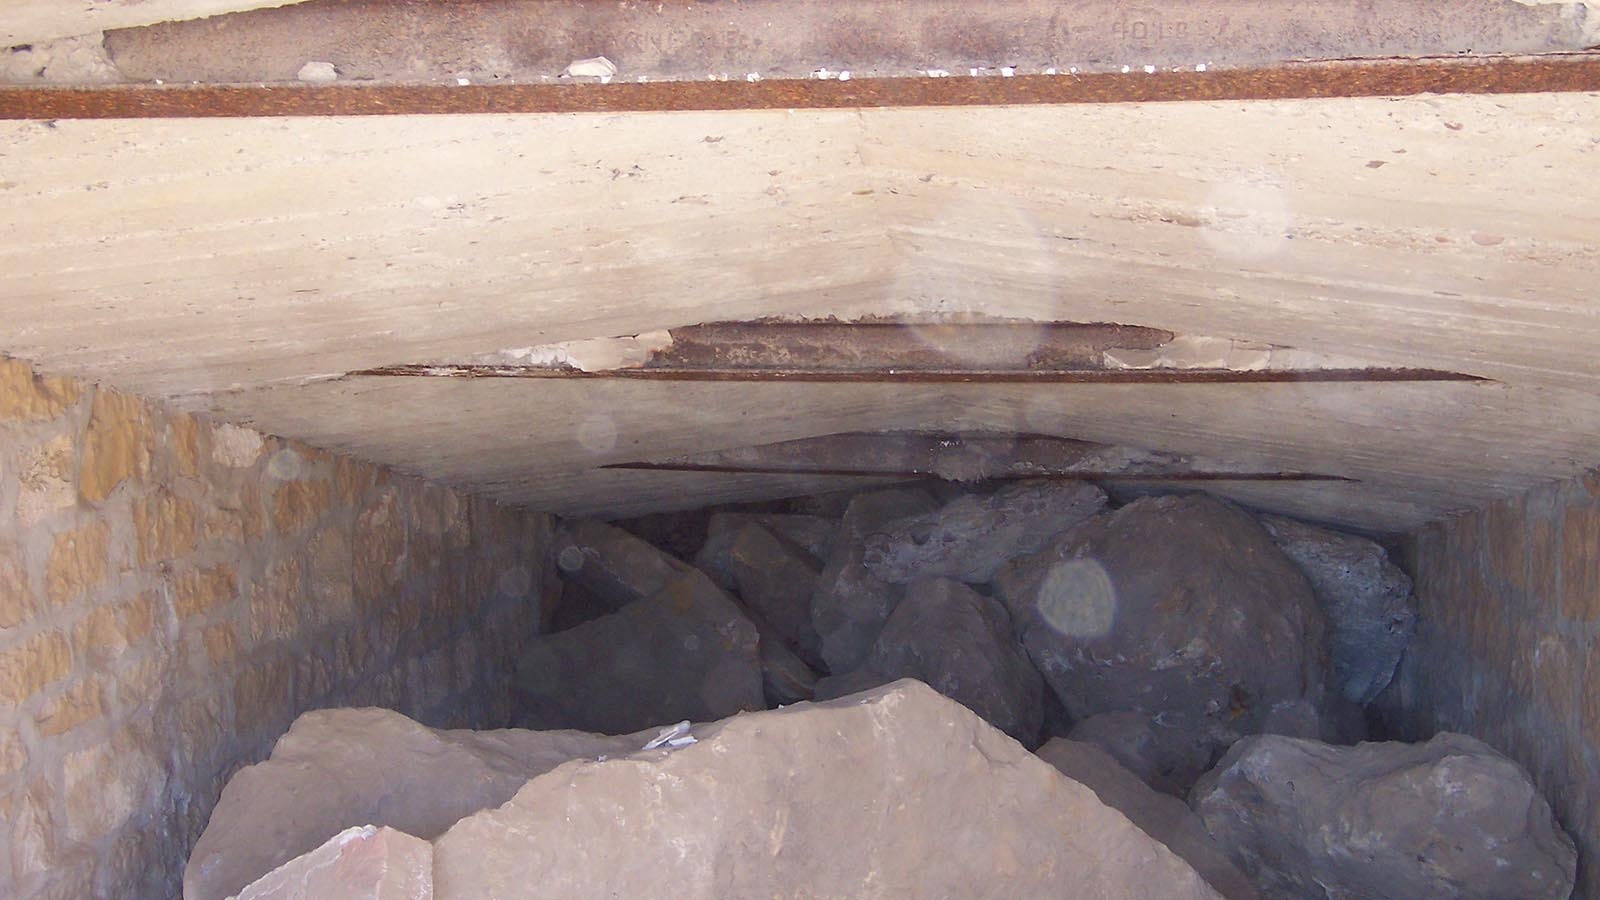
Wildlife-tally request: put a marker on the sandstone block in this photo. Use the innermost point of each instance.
(367, 766)
(1450, 818)
(361, 863)
(166, 527)
(116, 446)
(79, 562)
(25, 396)
(80, 703)
(26, 668)
(17, 604)
(969, 538)
(811, 800)
(45, 481)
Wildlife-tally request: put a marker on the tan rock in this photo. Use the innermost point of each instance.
(13, 755)
(1591, 694)
(45, 481)
(81, 703)
(380, 544)
(104, 784)
(1580, 563)
(185, 443)
(200, 591)
(24, 396)
(331, 571)
(222, 645)
(35, 843)
(116, 446)
(109, 630)
(79, 562)
(275, 601)
(898, 792)
(361, 863)
(24, 669)
(353, 478)
(165, 524)
(17, 604)
(340, 766)
(235, 447)
(298, 503)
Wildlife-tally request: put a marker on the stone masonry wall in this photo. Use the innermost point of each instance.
(174, 592)
(1508, 645)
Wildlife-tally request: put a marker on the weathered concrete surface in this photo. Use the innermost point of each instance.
(1447, 818)
(495, 41)
(1365, 597)
(1177, 606)
(359, 863)
(29, 21)
(1162, 817)
(340, 768)
(810, 801)
(971, 537)
(1149, 232)
(686, 652)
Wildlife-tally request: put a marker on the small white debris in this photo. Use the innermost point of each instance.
(605, 79)
(594, 67)
(1149, 70)
(1126, 70)
(1050, 71)
(1007, 71)
(973, 72)
(938, 73)
(1073, 70)
(845, 75)
(668, 734)
(1200, 68)
(463, 82)
(684, 741)
(318, 73)
(822, 74)
(753, 77)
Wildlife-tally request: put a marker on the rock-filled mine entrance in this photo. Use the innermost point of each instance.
(1005, 687)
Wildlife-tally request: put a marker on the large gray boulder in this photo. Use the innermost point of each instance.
(969, 538)
(776, 579)
(1176, 606)
(849, 604)
(1450, 818)
(814, 534)
(1167, 754)
(1163, 817)
(339, 768)
(687, 652)
(898, 792)
(959, 642)
(611, 566)
(1367, 600)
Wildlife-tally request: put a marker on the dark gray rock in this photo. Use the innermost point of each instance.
(898, 792)
(785, 677)
(1450, 818)
(850, 604)
(1365, 597)
(688, 652)
(836, 686)
(1168, 755)
(1171, 606)
(1162, 817)
(610, 565)
(959, 642)
(776, 580)
(972, 536)
(814, 534)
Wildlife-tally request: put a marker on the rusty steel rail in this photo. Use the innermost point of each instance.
(1575, 72)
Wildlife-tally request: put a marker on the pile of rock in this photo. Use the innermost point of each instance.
(1194, 675)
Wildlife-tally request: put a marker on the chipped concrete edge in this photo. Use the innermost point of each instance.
(1587, 12)
(37, 21)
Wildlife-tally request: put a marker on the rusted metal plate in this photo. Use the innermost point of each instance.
(1565, 73)
(934, 376)
(439, 41)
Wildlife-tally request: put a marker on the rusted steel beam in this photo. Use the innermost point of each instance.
(933, 376)
(1473, 75)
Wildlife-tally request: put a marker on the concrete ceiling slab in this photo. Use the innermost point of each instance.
(30, 21)
(244, 266)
